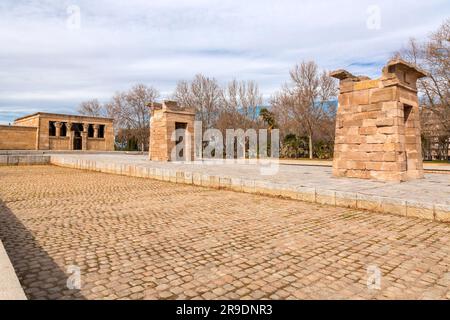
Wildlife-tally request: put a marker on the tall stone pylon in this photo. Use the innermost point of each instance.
(378, 126)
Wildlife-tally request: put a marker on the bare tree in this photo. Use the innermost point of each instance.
(306, 101)
(204, 95)
(91, 108)
(433, 56)
(283, 115)
(240, 100)
(131, 112)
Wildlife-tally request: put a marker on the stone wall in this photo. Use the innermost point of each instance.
(17, 138)
(31, 122)
(59, 143)
(18, 159)
(158, 149)
(378, 125)
(99, 144)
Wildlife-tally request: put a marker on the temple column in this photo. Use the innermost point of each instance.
(69, 134)
(58, 128)
(96, 126)
(84, 136)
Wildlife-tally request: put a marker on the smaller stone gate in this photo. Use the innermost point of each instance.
(378, 126)
(171, 132)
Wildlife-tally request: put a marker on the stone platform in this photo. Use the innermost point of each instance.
(427, 198)
(10, 288)
(429, 167)
(23, 159)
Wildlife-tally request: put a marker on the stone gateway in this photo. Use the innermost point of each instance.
(378, 126)
(171, 132)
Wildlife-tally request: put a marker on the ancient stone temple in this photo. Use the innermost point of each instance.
(171, 132)
(378, 126)
(51, 131)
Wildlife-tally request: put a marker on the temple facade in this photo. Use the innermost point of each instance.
(49, 131)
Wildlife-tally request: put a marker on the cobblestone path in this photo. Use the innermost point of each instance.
(135, 238)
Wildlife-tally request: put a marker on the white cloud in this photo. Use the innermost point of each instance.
(45, 65)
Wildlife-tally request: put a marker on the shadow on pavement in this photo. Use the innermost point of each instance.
(40, 277)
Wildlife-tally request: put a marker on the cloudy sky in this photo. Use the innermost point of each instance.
(55, 54)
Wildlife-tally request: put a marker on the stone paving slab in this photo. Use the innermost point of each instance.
(135, 238)
(46, 152)
(23, 159)
(427, 198)
(429, 167)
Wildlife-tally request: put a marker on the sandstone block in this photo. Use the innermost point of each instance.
(387, 156)
(346, 86)
(179, 176)
(376, 107)
(366, 85)
(166, 174)
(197, 178)
(382, 95)
(360, 97)
(324, 196)
(188, 177)
(369, 202)
(289, 191)
(158, 174)
(394, 206)
(360, 174)
(384, 122)
(344, 100)
(210, 181)
(420, 210)
(442, 212)
(367, 130)
(352, 123)
(248, 186)
(225, 182)
(262, 187)
(346, 199)
(391, 106)
(13, 160)
(387, 130)
(307, 194)
(236, 184)
(369, 123)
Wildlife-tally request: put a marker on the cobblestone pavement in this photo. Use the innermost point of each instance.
(137, 238)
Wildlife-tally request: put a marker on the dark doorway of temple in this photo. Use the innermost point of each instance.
(409, 132)
(77, 138)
